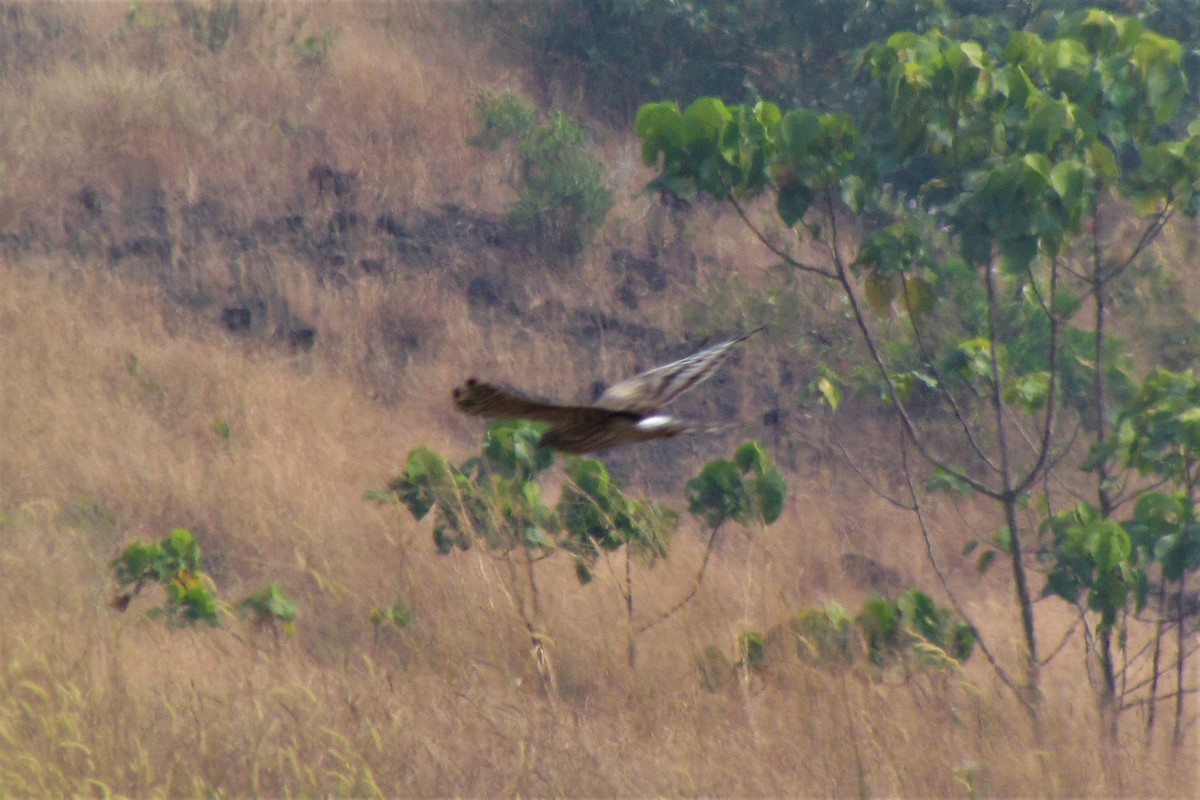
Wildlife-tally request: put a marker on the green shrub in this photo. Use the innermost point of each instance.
(561, 194)
(175, 564)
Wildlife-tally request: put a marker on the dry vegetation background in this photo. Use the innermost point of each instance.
(147, 186)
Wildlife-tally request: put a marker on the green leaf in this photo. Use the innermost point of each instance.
(751, 457)
(793, 201)
(1031, 391)
(535, 538)
(1108, 544)
(181, 542)
(397, 614)
(1102, 162)
(770, 490)
(797, 131)
(942, 480)
(705, 117)
(1160, 511)
(199, 605)
(135, 562)
(879, 621)
(661, 129)
(270, 603)
(530, 493)
(880, 291)
(751, 648)
(717, 494)
(1002, 538)
(921, 615)
(425, 474)
(830, 393)
(919, 297)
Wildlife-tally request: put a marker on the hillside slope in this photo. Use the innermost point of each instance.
(237, 285)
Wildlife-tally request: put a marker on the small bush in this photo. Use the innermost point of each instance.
(561, 194)
(912, 632)
(191, 596)
(173, 563)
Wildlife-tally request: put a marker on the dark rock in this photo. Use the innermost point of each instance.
(91, 199)
(627, 294)
(236, 318)
(150, 246)
(302, 338)
(330, 181)
(391, 226)
(773, 417)
(647, 269)
(346, 220)
(484, 292)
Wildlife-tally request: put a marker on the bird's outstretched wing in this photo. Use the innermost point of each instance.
(651, 390)
(625, 414)
(480, 399)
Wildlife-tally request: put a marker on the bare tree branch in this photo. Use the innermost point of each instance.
(862, 475)
(786, 257)
(943, 385)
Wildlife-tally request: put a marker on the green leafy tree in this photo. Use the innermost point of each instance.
(1093, 555)
(748, 490)
(622, 53)
(600, 519)
(1158, 435)
(990, 176)
(494, 501)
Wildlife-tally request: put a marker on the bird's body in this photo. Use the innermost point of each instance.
(625, 413)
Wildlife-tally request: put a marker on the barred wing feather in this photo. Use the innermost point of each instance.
(653, 389)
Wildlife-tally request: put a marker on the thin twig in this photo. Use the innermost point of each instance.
(638, 631)
(1169, 695)
(1066, 638)
(890, 385)
(943, 385)
(786, 257)
(863, 476)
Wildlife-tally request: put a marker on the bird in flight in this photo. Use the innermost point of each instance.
(625, 413)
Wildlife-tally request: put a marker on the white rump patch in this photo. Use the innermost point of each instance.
(657, 422)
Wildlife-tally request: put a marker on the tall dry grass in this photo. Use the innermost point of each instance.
(108, 432)
(110, 395)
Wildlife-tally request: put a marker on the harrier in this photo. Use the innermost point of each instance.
(626, 413)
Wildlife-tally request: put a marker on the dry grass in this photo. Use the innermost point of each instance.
(110, 395)
(99, 451)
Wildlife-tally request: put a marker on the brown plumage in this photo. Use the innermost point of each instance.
(626, 413)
